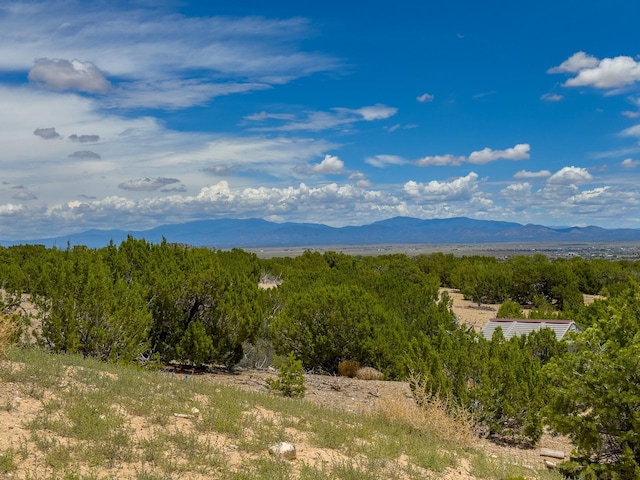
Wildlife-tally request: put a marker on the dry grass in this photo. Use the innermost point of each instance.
(430, 412)
(7, 328)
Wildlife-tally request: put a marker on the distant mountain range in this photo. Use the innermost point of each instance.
(257, 233)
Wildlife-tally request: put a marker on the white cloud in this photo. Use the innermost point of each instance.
(381, 161)
(608, 73)
(440, 160)
(147, 184)
(60, 74)
(486, 155)
(375, 112)
(480, 157)
(517, 189)
(570, 176)
(630, 163)
(360, 180)
(316, 121)
(594, 197)
(330, 165)
(551, 97)
(575, 63)
(527, 174)
(630, 114)
(461, 188)
(230, 54)
(425, 97)
(260, 116)
(631, 131)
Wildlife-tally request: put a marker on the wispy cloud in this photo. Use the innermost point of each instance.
(551, 97)
(177, 61)
(316, 121)
(425, 98)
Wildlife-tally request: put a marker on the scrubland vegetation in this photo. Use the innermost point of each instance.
(151, 305)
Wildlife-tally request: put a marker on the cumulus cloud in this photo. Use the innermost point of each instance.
(630, 114)
(360, 180)
(85, 154)
(551, 97)
(84, 138)
(425, 97)
(517, 189)
(381, 161)
(330, 165)
(608, 73)
(570, 176)
(527, 174)
(630, 163)
(575, 63)
(47, 133)
(60, 74)
(486, 155)
(461, 188)
(597, 196)
(480, 157)
(147, 184)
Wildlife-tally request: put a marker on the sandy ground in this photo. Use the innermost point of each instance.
(470, 313)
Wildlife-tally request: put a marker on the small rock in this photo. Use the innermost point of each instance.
(182, 415)
(284, 450)
(195, 411)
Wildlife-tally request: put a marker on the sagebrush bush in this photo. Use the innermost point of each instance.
(348, 368)
(369, 373)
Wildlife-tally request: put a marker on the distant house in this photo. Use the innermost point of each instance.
(518, 326)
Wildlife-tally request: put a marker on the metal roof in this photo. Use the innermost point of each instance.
(518, 326)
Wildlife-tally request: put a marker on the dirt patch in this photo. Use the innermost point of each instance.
(471, 313)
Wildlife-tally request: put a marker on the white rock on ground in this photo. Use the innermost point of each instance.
(284, 450)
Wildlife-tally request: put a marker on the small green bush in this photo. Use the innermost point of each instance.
(290, 381)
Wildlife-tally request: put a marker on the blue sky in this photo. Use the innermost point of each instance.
(140, 113)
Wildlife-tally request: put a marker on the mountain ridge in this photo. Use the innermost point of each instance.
(259, 233)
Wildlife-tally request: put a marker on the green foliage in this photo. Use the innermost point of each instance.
(510, 309)
(594, 392)
(324, 325)
(290, 381)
